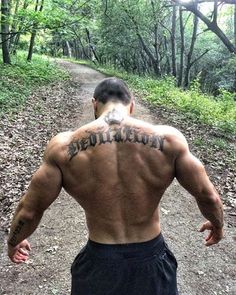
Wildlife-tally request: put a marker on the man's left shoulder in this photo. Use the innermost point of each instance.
(169, 132)
(174, 140)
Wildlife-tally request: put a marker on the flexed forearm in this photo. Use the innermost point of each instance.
(192, 175)
(44, 188)
(24, 223)
(212, 209)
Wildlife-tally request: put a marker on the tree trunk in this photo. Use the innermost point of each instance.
(190, 53)
(17, 36)
(85, 55)
(181, 66)
(5, 31)
(34, 31)
(144, 62)
(92, 48)
(173, 41)
(31, 46)
(14, 25)
(234, 85)
(76, 49)
(168, 65)
(149, 54)
(235, 24)
(68, 48)
(157, 55)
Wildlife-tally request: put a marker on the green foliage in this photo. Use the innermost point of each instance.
(134, 35)
(219, 112)
(199, 142)
(18, 80)
(220, 143)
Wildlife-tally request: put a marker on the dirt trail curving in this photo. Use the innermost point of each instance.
(62, 231)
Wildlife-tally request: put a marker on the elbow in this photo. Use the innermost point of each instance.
(210, 198)
(214, 196)
(28, 213)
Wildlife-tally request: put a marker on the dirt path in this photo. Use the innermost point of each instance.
(62, 232)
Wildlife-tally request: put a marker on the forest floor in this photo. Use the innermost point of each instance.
(62, 231)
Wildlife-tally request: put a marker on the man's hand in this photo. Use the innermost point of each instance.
(19, 253)
(215, 235)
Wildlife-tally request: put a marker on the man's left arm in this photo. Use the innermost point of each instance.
(44, 188)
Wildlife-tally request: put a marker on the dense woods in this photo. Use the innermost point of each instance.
(189, 40)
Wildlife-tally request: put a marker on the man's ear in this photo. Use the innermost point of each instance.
(94, 102)
(132, 106)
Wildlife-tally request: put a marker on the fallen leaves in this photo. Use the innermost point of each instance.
(23, 138)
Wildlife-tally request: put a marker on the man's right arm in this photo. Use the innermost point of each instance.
(191, 174)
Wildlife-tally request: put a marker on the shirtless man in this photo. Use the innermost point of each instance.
(117, 168)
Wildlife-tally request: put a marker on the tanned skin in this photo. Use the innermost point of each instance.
(117, 168)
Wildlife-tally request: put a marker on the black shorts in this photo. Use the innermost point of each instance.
(147, 268)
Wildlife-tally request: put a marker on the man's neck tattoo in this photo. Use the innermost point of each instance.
(114, 117)
(119, 134)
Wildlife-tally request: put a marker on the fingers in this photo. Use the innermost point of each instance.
(27, 246)
(19, 255)
(214, 236)
(209, 236)
(19, 258)
(206, 225)
(211, 242)
(202, 228)
(15, 260)
(23, 252)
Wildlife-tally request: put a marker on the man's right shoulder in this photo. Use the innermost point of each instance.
(58, 146)
(64, 138)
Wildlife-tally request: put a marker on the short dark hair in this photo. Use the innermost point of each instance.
(112, 89)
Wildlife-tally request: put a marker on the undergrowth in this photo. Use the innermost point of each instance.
(217, 111)
(18, 80)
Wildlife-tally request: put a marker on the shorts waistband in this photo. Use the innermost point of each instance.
(129, 250)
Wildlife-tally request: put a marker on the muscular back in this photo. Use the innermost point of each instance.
(118, 169)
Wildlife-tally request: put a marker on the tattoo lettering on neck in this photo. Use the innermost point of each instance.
(119, 134)
(114, 117)
(13, 240)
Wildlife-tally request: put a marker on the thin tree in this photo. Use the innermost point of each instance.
(173, 41)
(234, 86)
(38, 8)
(20, 26)
(5, 31)
(14, 24)
(190, 52)
(182, 47)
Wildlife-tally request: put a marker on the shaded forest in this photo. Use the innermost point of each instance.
(188, 40)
